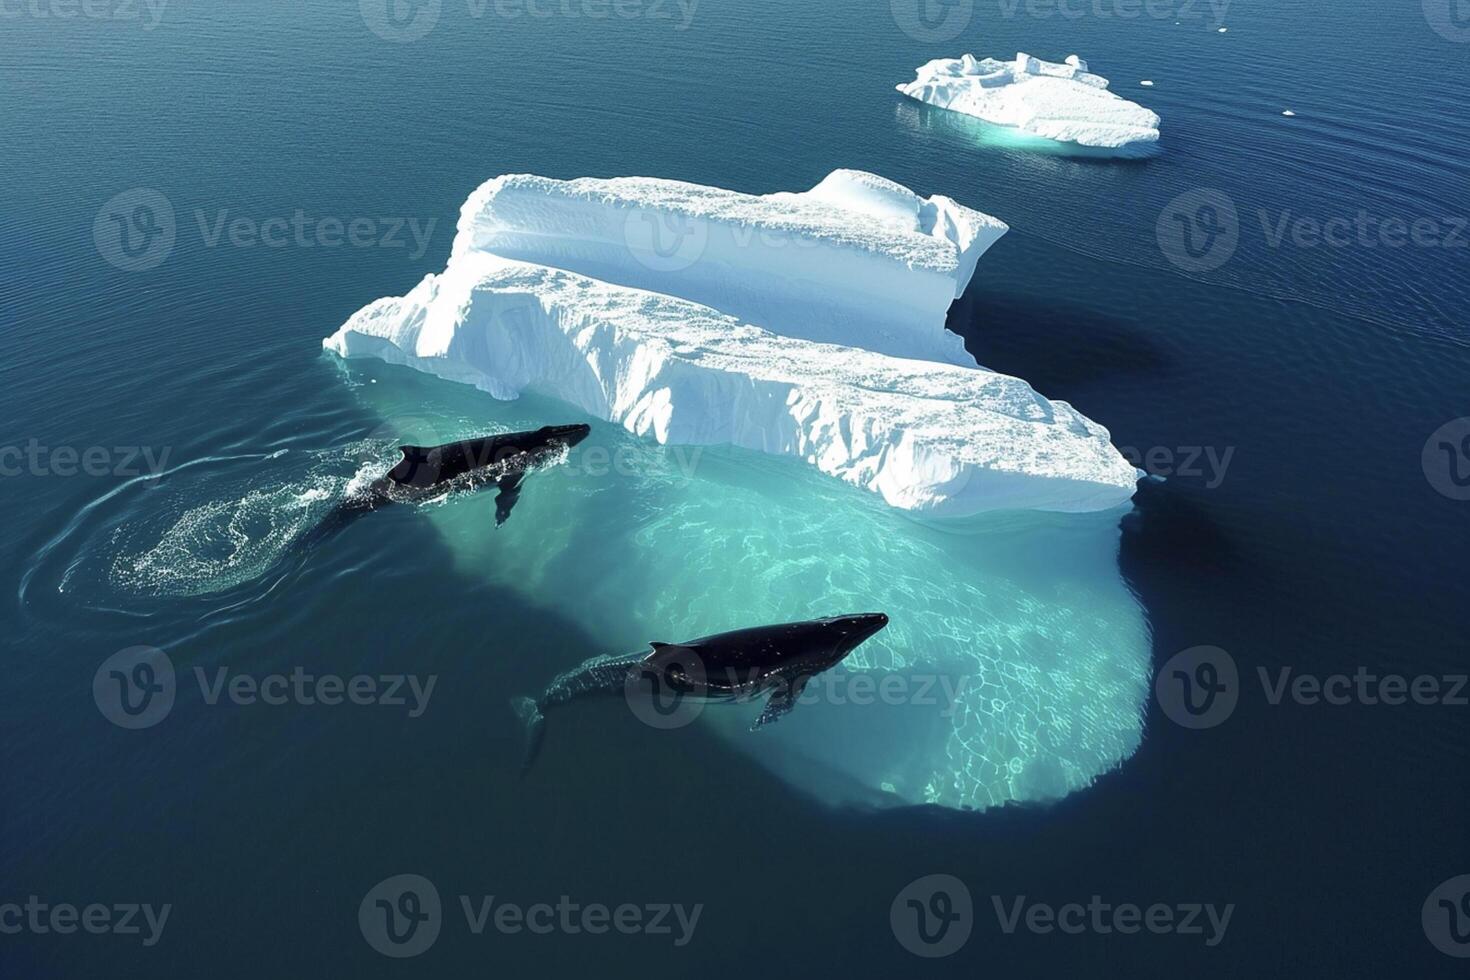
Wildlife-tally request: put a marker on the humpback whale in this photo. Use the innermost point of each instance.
(424, 471)
(735, 666)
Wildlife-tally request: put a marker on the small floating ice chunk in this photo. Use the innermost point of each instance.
(1147, 83)
(1056, 101)
(1287, 112)
(1222, 30)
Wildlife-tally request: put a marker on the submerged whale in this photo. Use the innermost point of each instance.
(424, 472)
(735, 666)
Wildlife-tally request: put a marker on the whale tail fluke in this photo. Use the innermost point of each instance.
(533, 725)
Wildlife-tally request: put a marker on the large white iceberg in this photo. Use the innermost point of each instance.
(695, 315)
(929, 437)
(692, 315)
(1063, 102)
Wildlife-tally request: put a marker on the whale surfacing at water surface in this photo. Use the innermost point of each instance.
(736, 666)
(423, 472)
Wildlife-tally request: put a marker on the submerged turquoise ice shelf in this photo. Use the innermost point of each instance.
(1015, 668)
(1026, 617)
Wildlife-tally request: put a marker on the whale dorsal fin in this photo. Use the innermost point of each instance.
(407, 468)
(667, 652)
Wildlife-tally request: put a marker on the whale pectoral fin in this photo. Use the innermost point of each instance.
(782, 701)
(505, 501)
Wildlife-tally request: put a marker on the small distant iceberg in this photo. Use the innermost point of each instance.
(1061, 102)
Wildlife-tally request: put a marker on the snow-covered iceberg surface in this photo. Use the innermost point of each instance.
(858, 260)
(929, 437)
(1062, 102)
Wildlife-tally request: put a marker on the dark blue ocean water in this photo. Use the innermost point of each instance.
(1327, 545)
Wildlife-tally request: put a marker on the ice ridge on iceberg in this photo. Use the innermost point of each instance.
(1062, 102)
